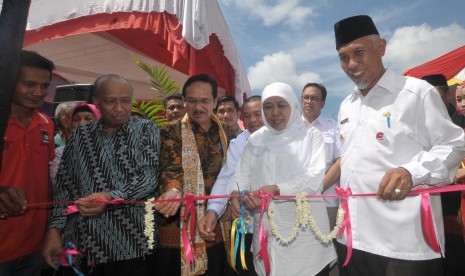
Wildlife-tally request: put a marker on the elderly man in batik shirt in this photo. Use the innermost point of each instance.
(116, 157)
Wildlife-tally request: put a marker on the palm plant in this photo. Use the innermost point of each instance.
(161, 82)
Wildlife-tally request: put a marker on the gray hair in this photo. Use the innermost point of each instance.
(102, 79)
(63, 110)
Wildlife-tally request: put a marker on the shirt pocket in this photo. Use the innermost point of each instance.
(394, 134)
(345, 131)
(329, 140)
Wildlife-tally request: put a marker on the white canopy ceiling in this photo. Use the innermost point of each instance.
(83, 53)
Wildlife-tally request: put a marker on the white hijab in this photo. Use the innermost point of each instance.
(295, 125)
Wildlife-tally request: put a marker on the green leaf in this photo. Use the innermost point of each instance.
(160, 81)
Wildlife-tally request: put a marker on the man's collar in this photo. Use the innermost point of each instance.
(316, 121)
(386, 82)
(124, 127)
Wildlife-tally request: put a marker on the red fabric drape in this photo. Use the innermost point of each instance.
(448, 65)
(156, 35)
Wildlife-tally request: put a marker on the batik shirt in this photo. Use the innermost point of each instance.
(209, 149)
(124, 164)
(210, 152)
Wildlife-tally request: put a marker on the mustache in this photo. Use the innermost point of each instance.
(354, 71)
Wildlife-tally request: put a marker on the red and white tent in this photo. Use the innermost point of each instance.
(451, 65)
(87, 38)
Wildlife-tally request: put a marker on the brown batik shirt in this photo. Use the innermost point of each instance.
(210, 152)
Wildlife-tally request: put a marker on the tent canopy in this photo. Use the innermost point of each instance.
(451, 65)
(88, 38)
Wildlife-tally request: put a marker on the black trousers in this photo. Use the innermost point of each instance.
(168, 261)
(142, 266)
(366, 264)
(454, 261)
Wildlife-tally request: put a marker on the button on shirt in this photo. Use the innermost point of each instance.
(330, 132)
(401, 122)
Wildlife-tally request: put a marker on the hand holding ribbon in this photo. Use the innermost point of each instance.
(91, 205)
(85, 207)
(67, 258)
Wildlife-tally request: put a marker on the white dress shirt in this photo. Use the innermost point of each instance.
(329, 129)
(419, 137)
(236, 147)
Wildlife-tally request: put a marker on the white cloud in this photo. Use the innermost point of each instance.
(414, 45)
(313, 48)
(393, 11)
(279, 67)
(289, 11)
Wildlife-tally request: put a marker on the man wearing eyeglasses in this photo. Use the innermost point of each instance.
(313, 100)
(192, 153)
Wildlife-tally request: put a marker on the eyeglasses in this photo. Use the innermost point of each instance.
(311, 99)
(193, 102)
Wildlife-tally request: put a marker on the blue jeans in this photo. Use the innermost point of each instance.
(29, 265)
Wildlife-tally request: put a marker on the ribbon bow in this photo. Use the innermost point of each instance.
(262, 234)
(346, 226)
(67, 258)
(242, 226)
(191, 215)
(427, 221)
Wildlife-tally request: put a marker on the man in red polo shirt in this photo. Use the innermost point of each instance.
(28, 148)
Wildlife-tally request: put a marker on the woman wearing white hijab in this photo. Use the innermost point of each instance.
(285, 157)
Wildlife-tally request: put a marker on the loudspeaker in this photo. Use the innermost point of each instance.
(72, 93)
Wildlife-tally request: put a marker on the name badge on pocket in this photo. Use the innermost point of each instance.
(45, 137)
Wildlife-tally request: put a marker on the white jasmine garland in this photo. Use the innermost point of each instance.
(304, 218)
(149, 219)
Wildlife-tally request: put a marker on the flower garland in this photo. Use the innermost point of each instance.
(304, 218)
(149, 222)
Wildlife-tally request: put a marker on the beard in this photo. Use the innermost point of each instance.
(354, 74)
(362, 85)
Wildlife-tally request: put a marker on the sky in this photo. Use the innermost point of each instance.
(292, 41)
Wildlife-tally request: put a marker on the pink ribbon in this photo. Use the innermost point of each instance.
(74, 209)
(450, 188)
(262, 234)
(426, 215)
(462, 210)
(427, 223)
(71, 210)
(346, 225)
(191, 214)
(66, 258)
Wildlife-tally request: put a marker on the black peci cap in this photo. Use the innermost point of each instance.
(352, 28)
(436, 80)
